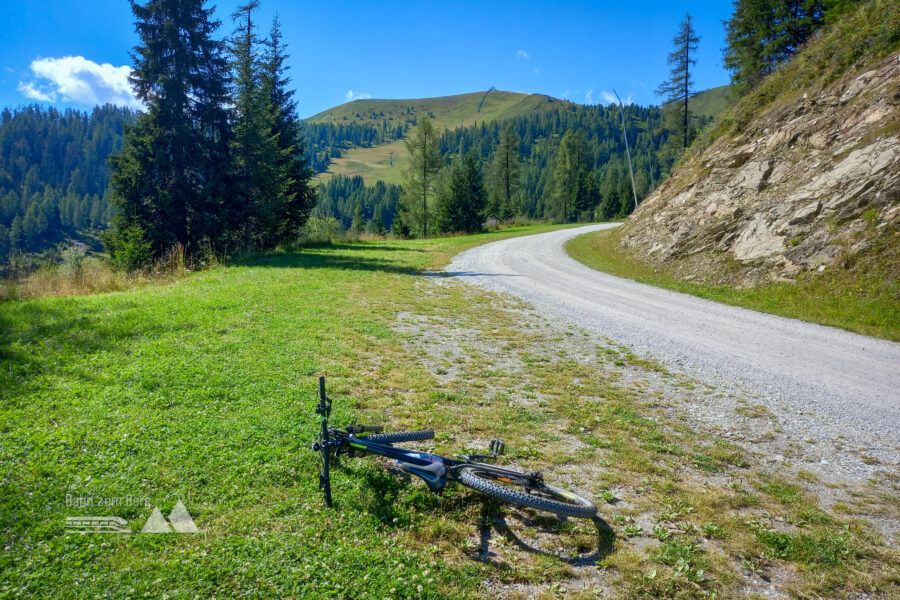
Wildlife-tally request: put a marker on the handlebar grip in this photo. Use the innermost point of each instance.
(322, 388)
(373, 428)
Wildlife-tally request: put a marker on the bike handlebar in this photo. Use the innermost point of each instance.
(365, 428)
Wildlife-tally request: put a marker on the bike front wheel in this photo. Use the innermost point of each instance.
(514, 487)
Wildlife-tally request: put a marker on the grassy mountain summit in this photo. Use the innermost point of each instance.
(387, 162)
(445, 111)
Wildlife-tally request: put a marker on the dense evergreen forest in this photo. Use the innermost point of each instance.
(538, 138)
(535, 146)
(54, 175)
(358, 207)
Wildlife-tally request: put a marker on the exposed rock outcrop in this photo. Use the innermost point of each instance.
(810, 182)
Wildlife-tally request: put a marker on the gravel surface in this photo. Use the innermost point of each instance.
(833, 384)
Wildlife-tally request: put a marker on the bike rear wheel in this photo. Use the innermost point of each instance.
(514, 487)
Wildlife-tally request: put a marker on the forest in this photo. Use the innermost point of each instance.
(54, 175)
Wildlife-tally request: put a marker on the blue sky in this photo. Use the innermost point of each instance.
(76, 52)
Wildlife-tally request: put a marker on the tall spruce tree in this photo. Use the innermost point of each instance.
(572, 191)
(461, 205)
(505, 176)
(299, 197)
(259, 162)
(172, 173)
(678, 89)
(425, 163)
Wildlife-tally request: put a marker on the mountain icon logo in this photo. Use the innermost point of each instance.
(180, 521)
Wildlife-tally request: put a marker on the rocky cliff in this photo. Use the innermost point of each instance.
(811, 181)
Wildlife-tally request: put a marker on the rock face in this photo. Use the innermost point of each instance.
(809, 183)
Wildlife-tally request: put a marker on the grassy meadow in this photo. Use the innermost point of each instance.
(203, 390)
(372, 164)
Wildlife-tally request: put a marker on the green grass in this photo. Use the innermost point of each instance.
(373, 163)
(445, 111)
(203, 390)
(862, 300)
(711, 102)
(817, 549)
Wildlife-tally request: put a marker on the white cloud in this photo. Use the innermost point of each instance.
(77, 79)
(537, 71)
(589, 97)
(523, 54)
(610, 98)
(350, 96)
(29, 91)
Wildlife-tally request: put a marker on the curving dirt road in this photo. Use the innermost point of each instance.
(850, 377)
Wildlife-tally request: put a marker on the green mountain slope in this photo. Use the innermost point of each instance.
(387, 162)
(446, 111)
(712, 102)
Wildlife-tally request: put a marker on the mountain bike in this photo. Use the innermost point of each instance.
(471, 470)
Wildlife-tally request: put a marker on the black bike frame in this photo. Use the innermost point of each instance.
(433, 469)
(401, 454)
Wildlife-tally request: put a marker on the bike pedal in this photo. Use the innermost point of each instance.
(497, 447)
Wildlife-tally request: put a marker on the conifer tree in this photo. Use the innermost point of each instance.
(259, 161)
(505, 176)
(299, 197)
(571, 172)
(679, 87)
(462, 204)
(424, 164)
(762, 34)
(172, 172)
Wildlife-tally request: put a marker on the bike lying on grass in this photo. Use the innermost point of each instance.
(508, 485)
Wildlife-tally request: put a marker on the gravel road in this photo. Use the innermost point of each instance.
(845, 377)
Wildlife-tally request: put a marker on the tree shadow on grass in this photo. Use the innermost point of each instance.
(314, 260)
(47, 337)
(379, 247)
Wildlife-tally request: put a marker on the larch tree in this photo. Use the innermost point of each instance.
(425, 163)
(173, 170)
(678, 88)
(505, 176)
(571, 177)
